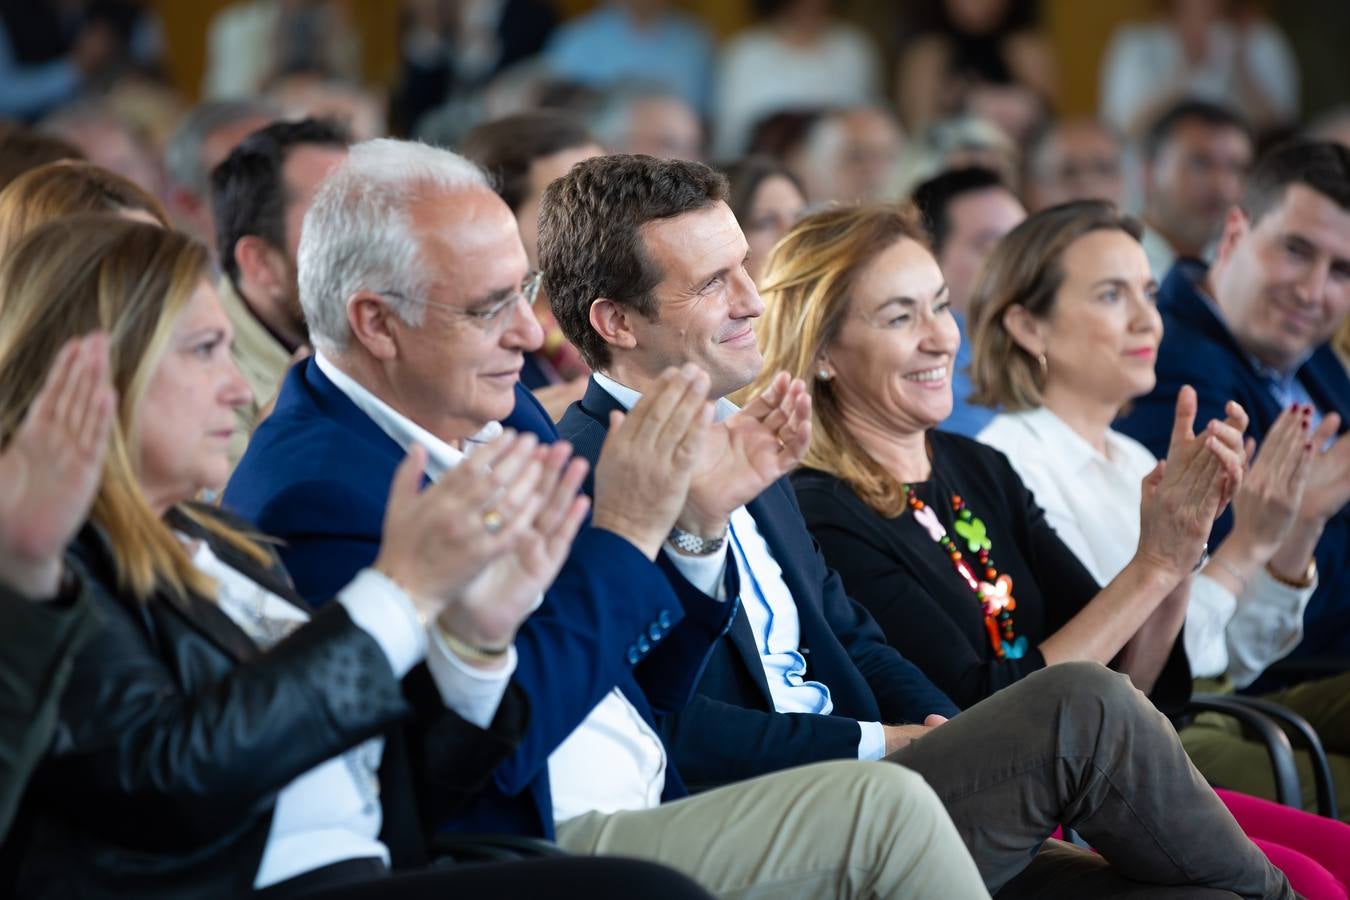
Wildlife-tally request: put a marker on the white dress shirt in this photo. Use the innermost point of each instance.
(1092, 501)
(767, 601)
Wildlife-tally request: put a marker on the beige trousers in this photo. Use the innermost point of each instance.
(841, 829)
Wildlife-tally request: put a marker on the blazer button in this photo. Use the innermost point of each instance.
(655, 632)
(643, 645)
(633, 656)
(663, 619)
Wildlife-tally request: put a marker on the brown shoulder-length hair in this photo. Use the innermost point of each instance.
(1024, 270)
(808, 281)
(131, 280)
(68, 188)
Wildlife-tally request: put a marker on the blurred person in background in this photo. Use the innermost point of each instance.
(522, 155)
(767, 200)
(250, 42)
(108, 140)
(850, 156)
(985, 57)
(1072, 159)
(965, 213)
(310, 95)
(1196, 157)
(958, 142)
(636, 40)
(22, 149)
(649, 119)
(259, 196)
(799, 54)
(204, 137)
(1222, 51)
(448, 48)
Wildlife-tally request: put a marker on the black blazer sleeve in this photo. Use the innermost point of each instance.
(40, 641)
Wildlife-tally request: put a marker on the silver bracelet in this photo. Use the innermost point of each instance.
(1204, 558)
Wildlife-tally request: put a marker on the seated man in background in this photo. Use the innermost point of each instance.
(259, 196)
(1254, 327)
(644, 263)
(965, 212)
(1073, 159)
(522, 154)
(411, 273)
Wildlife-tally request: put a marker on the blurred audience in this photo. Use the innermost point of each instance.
(767, 200)
(649, 119)
(850, 155)
(108, 140)
(22, 148)
(522, 155)
(259, 196)
(1072, 159)
(1195, 161)
(983, 57)
(798, 55)
(204, 137)
(956, 143)
(1253, 327)
(251, 42)
(1222, 51)
(647, 41)
(965, 213)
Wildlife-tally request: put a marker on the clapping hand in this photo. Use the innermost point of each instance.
(1329, 477)
(642, 476)
(439, 543)
(746, 453)
(52, 466)
(1186, 492)
(1274, 487)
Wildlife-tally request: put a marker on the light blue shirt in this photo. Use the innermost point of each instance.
(767, 602)
(966, 419)
(607, 46)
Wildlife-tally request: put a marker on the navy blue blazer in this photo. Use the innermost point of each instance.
(1197, 349)
(729, 730)
(316, 475)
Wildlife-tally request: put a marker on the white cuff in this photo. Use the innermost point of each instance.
(383, 610)
(1204, 635)
(473, 693)
(703, 572)
(872, 742)
(1268, 624)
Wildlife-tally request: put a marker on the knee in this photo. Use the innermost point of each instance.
(893, 786)
(1079, 684)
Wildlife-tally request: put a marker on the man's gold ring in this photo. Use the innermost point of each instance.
(493, 521)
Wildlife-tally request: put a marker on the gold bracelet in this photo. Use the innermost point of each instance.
(470, 652)
(1309, 576)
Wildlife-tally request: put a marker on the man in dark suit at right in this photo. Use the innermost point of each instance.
(1254, 327)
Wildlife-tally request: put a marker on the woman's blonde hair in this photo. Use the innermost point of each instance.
(68, 188)
(808, 281)
(1024, 270)
(132, 280)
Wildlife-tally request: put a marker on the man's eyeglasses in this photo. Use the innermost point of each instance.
(490, 318)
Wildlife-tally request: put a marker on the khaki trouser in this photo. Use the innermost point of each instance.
(1219, 748)
(831, 830)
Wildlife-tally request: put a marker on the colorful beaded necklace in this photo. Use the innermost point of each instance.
(994, 591)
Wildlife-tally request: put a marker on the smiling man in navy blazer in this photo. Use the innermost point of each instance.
(1254, 328)
(645, 267)
(411, 277)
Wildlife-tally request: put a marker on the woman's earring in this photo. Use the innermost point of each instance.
(1044, 367)
(823, 375)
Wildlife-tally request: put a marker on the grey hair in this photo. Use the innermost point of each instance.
(183, 154)
(611, 122)
(358, 235)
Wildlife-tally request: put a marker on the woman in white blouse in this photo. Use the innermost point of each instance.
(1065, 333)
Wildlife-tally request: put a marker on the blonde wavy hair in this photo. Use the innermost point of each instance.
(132, 280)
(807, 284)
(68, 188)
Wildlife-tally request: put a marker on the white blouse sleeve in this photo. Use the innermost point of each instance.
(1267, 625)
(1205, 634)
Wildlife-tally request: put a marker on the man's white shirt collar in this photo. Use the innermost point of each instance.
(441, 456)
(628, 398)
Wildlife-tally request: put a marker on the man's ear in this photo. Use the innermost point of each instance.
(261, 266)
(372, 323)
(1235, 228)
(1025, 329)
(613, 323)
